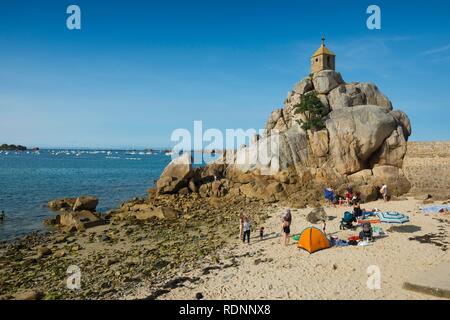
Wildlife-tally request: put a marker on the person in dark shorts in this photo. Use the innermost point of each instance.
(246, 229)
(286, 226)
(261, 233)
(241, 226)
(358, 212)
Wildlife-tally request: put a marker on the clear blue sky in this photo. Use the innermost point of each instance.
(138, 70)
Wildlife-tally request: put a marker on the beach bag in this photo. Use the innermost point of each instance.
(347, 220)
(348, 217)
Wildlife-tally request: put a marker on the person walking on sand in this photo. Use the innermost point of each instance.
(241, 226)
(286, 226)
(384, 192)
(246, 229)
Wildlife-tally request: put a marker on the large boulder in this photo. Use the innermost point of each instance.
(78, 221)
(88, 203)
(176, 175)
(392, 151)
(403, 120)
(346, 95)
(29, 294)
(319, 141)
(359, 177)
(161, 212)
(326, 80)
(374, 96)
(355, 134)
(61, 204)
(304, 86)
(393, 177)
(317, 215)
(276, 122)
(368, 192)
(273, 153)
(353, 94)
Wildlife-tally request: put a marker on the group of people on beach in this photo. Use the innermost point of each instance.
(351, 197)
(245, 227)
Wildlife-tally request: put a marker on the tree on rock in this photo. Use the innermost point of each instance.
(312, 110)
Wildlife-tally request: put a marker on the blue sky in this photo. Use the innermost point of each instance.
(138, 70)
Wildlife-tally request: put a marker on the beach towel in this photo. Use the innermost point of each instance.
(392, 217)
(435, 208)
(378, 232)
(353, 238)
(368, 221)
(341, 243)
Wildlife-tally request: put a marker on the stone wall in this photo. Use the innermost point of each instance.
(427, 167)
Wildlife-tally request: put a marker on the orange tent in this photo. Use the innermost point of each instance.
(312, 239)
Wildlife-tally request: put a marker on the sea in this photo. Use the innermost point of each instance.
(28, 180)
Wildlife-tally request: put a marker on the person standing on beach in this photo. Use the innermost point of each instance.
(286, 226)
(384, 192)
(246, 229)
(241, 226)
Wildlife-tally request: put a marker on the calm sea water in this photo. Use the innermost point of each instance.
(29, 180)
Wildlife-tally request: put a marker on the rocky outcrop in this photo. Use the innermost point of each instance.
(403, 121)
(355, 134)
(78, 221)
(363, 143)
(12, 147)
(161, 212)
(71, 221)
(88, 203)
(175, 175)
(355, 94)
(393, 177)
(61, 204)
(317, 215)
(77, 214)
(326, 80)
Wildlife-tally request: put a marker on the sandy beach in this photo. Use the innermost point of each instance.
(269, 270)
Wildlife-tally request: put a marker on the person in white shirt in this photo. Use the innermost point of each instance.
(384, 192)
(246, 229)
